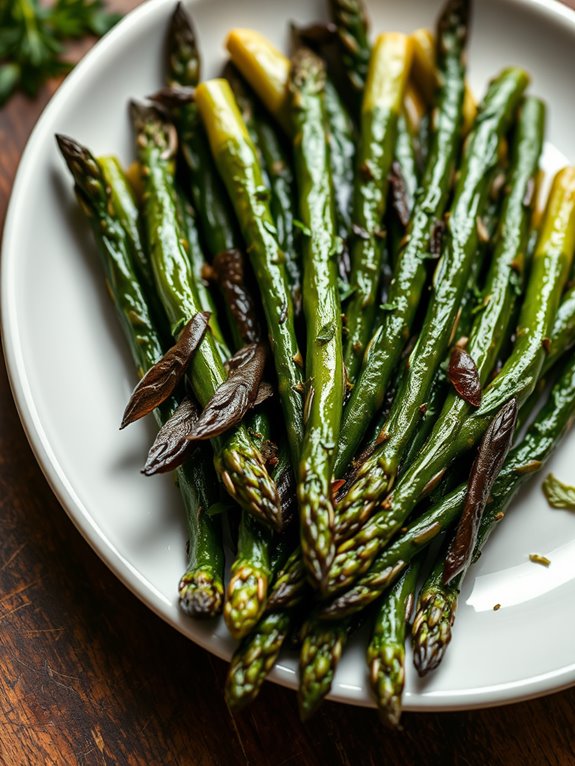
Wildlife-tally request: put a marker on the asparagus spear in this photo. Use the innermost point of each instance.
(201, 587)
(352, 29)
(247, 587)
(388, 70)
(324, 367)
(517, 379)
(237, 459)
(563, 336)
(217, 222)
(491, 324)
(184, 61)
(342, 143)
(432, 628)
(469, 308)
(267, 71)
(128, 215)
(291, 581)
(406, 160)
(203, 580)
(394, 559)
(410, 272)
(424, 73)
(236, 159)
(265, 68)
(386, 648)
(278, 171)
(351, 26)
(188, 220)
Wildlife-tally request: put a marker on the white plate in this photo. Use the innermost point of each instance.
(71, 374)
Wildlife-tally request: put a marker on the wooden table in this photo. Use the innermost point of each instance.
(89, 676)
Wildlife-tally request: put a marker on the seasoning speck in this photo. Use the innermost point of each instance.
(537, 559)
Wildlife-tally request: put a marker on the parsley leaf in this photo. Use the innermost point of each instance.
(31, 38)
(559, 495)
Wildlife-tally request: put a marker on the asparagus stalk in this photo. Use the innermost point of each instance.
(351, 26)
(406, 159)
(246, 591)
(267, 71)
(424, 72)
(393, 560)
(491, 324)
(218, 223)
(352, 29)
(388, 70)
(324, 367)
(265, 68)
(386, 648)
(201, 587)
(188, 221)
(432, 523)
(551, 263)
(342, 143)
(216, 220)
(410, 273)
(184, 61)
(237, 459)
(201, 590)
(237, 163)
(469, 307)
(278, 171)
(563, 335)
(126, 209)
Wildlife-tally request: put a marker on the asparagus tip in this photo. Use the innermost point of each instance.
(431, 631)
(245, 600)
(201, 594)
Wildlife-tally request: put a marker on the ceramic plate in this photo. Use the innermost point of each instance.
(71, 373)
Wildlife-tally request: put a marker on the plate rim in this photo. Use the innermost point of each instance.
(61, 486)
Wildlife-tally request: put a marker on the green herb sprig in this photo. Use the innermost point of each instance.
(32, 37)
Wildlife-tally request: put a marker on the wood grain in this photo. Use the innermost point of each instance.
(89, 676)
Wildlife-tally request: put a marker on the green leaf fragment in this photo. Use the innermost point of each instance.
(326, 333)
(31, 38)
(305, 230)
(558, 494)
(9, 78)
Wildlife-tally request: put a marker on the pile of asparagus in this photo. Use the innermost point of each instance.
(348, 239)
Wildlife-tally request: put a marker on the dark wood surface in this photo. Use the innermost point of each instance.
(89, 676)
